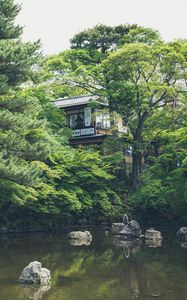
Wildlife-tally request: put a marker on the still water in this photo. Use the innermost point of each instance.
(105, 269)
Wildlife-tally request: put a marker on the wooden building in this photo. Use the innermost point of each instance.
(89, 119)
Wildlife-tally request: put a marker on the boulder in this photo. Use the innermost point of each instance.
(80, 235)
(182, 233)
(35, 274)
(131, 230)
(117, 228)
(152, 234)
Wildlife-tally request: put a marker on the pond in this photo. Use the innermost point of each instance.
(105, 269)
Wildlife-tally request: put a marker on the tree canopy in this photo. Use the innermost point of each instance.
(101, 37)
(23, 138)
(144, 81)
(141, 79)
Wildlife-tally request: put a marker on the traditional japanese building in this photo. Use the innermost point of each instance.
(89, 118)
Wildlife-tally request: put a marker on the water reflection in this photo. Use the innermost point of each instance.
(80, 242)
(129, 246)
(96, 272)
(153, 243)
(35, 292)
(183, 244)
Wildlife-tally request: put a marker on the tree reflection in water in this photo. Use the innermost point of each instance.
(96, 272)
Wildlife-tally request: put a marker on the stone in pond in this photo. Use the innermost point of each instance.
(35, 274)
(117, 227)
(131, 230)
(182, 233)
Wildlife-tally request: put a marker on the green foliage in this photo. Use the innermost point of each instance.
(142, 82)
(8, 13)
(101, 37)
(142, 79)
(164, 184)
(16, 60)
(139, 80)
(82, 188)
(23, 137)
(142, 35)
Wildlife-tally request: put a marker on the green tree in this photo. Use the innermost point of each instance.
(23, 137)
(101, 37)
(80, 188)
(139, 80)
(164, 184)
(69, 71)
(142, 35)
(8, 13)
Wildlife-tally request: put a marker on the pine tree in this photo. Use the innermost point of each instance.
(23, 137)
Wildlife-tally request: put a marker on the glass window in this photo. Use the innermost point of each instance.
(103, 120)
(76, 120)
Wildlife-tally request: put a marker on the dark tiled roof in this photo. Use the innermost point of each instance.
(65, 102)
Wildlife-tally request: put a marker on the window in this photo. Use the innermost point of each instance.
(75, 120)
(103, 121)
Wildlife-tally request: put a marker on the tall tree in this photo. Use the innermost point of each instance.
(89, 48)
(23, 138)
(101, 37)
(105, 38)
(139, 80)
(8, 12)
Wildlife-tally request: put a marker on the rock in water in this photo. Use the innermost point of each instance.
(131, 230)
(182, 233)
(152, 234)
(35, 274)
(82, 235)
(117, 227)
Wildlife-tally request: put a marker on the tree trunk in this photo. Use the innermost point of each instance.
(137, 153)
(136, 166)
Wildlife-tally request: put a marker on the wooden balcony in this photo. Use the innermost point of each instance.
(89, 135)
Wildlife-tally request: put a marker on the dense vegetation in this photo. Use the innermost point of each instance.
(46, 182)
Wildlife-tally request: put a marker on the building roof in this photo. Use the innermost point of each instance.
(80, 100)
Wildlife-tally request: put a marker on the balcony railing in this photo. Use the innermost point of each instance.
(89, 131)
